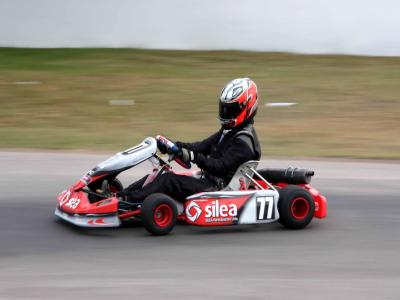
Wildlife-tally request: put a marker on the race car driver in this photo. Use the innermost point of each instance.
(218, 156)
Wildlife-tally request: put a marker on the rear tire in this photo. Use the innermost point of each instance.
(296, 207)
(159, 214)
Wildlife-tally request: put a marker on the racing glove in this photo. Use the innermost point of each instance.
(179, 144)
(162, 147)
(186, 155)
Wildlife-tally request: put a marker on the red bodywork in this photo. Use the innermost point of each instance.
(320, 201)
(75, 201)
(217, 211)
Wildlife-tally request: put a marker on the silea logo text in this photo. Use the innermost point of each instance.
(215, 210)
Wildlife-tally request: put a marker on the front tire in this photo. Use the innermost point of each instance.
(296, 207)
(159, 214)
(115, 185)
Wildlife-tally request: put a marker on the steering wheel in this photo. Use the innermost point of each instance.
(167, 146)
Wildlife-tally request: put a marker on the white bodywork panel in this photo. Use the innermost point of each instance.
(89, 221)
(261, 207)
(130, 157)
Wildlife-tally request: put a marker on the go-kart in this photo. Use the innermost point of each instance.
(251, 197)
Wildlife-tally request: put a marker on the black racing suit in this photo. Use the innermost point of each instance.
(219, 156)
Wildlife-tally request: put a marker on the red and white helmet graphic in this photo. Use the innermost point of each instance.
(238, 102)
(193, 211)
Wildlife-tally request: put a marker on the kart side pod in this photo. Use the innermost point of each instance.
(232, 208)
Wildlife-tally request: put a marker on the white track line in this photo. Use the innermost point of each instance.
(122, 102)
(27, 82)
(280, 104)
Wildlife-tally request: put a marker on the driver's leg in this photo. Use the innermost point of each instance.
(176, 186)
(137, 185)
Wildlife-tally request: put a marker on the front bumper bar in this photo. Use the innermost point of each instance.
(90, 220)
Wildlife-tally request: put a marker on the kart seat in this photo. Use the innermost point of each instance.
(241, 179)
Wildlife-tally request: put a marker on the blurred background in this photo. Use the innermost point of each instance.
(102, 75)
(98, 76)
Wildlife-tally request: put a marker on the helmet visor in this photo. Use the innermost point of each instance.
(229, 111)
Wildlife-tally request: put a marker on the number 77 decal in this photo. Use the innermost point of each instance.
(261, 202)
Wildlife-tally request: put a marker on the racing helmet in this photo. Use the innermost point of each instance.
(238, 102)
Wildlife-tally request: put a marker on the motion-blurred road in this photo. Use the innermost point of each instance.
(353, 254)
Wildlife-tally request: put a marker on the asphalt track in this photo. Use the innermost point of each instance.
(353, 254)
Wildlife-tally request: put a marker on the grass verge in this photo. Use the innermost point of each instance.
(348, 106)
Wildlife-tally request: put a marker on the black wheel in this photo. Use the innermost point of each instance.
(115, 185)
(296, 207)
(159, 214)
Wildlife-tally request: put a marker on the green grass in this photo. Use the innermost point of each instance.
(349, 106)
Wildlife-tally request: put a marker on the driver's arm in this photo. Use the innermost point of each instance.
(231, 159)
(203, 146)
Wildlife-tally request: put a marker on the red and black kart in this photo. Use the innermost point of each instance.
(253, 196)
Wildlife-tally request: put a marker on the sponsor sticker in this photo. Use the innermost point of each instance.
(73, 203)
(193, 211)
(214, 212)
(65, 197)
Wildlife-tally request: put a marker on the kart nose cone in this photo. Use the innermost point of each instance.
(75, 207)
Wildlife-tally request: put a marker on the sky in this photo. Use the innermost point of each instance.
(305, 26)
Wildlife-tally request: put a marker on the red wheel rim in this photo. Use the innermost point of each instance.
(300, 208)
(163, 215)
